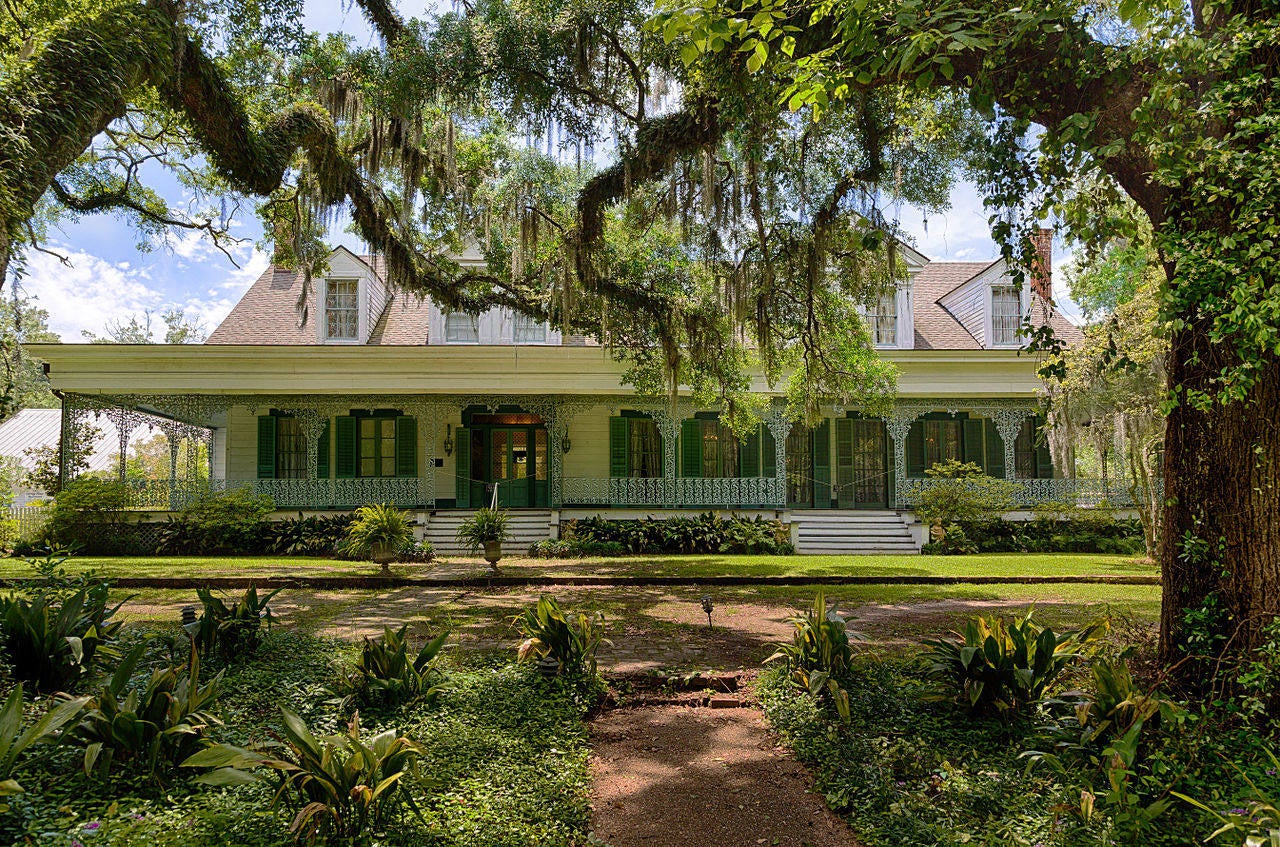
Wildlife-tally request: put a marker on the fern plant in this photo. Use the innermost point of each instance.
(379, 532)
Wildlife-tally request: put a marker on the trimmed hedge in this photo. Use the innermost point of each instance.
(705, 533)
(1122, 537)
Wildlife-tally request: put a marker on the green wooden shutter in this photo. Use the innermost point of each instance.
(344, 453)
(749, 455)
(1044, 461)
(915, 450)
(266, 447)
(619, 444)
(768, 454)
(406, 446)
(822, 465)
(995, 450)
(691, 447)
(844, 463)
(322, 454)
(462, 468)
(972, 438)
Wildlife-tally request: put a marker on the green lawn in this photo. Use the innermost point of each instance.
(693, 567)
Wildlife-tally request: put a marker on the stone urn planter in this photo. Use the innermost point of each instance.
(383, 553)
(493, 553)
(483, 532)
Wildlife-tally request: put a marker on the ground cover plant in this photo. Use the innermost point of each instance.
(500, 759)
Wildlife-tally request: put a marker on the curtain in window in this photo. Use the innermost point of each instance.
(1024, 450)
(941, 442)
(291, 449)
(645, 453)
(461, 328)
(1006, 314)
(341, 308)
(719, 450)
(882, 319)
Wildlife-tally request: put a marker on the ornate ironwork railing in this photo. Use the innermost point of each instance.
(681, 491)
(164, 494)
(1085, 493)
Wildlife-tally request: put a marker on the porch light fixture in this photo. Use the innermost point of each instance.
(565, 443)
(448, 439)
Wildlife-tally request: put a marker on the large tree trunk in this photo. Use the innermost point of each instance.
(1222, 490)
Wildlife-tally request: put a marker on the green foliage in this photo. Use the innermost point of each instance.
(819, 654)
(317, 535)
(378, 526)
(87, 504)
(54, 636)
(551, 633)
(1258, 822)
(15, 741)
(1005, 664)
(230, 522)
(385, 675)
(1040, 536)
(234, 631)
(1259, 678)
(961, 492)
(151, 729)
(343, 787)
(574, 548)
(705, 533)
(484, 526)
(45, 465)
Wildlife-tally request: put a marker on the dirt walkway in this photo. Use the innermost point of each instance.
(673, 775)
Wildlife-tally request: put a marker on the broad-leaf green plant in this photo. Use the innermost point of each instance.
(386, 675)
(1006, 664)
(15, 741)
(232, 630)
(344, 787)
(571, 640)
(820, 653)
(153, 727)
(52, 640)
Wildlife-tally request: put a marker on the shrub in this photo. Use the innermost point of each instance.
(819, 653)
(1043, 535)
(309, 536)
(704, 533)
(230, 522)
(54, 637)
(83, 508)
(552, 633)
(343, 787)
(483, 527)
(1005, 664)
(14, 740)
(234, 630)
(155, 728)
(385, 675)
(961, 492)
(574, 548)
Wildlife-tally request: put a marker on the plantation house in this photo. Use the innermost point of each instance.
(368, 395)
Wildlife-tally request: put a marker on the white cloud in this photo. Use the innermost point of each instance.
(960, 234)
(88, 294)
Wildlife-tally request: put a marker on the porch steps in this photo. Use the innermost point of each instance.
(524, 525)
(849, 532)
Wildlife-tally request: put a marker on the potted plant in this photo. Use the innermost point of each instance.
(485, 530)
(379, 532)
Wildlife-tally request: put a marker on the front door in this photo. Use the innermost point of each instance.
(800, 467)
(506, 453)
(862, 464)
(510, 460)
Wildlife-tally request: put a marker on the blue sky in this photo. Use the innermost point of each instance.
(109, 279)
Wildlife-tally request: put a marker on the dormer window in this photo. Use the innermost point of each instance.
(461, 328)
(342, 309)
(882, 320)
(527, 330)
(1006, 314)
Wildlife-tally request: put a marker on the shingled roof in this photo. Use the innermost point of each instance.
(268, 312)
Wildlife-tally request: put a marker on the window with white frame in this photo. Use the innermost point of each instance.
(461, 328)
(882, 319)
(342, 309)
(1006, 314)
(529, 330)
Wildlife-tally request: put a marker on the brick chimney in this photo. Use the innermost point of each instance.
(1042, 265)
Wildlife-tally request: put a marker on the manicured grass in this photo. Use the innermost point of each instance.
(693, 567)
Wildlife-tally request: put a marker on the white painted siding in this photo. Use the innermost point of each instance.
(588, 455)
(968, 305)
(242, 444)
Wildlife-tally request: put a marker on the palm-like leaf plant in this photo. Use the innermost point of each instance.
(343, 787)
(380, 531)
(14, 740)
(552, 633)
(233, 630)
(386, 675)
(820, 653)
(155, 727)
(53, 642)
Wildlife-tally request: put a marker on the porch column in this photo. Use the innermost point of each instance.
(1008, 423)
(312, 422)
(779, 427)
(124, 421)
(173, 434)
(897, 424)
(557, 423)
(669, 429)
(64, 436)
